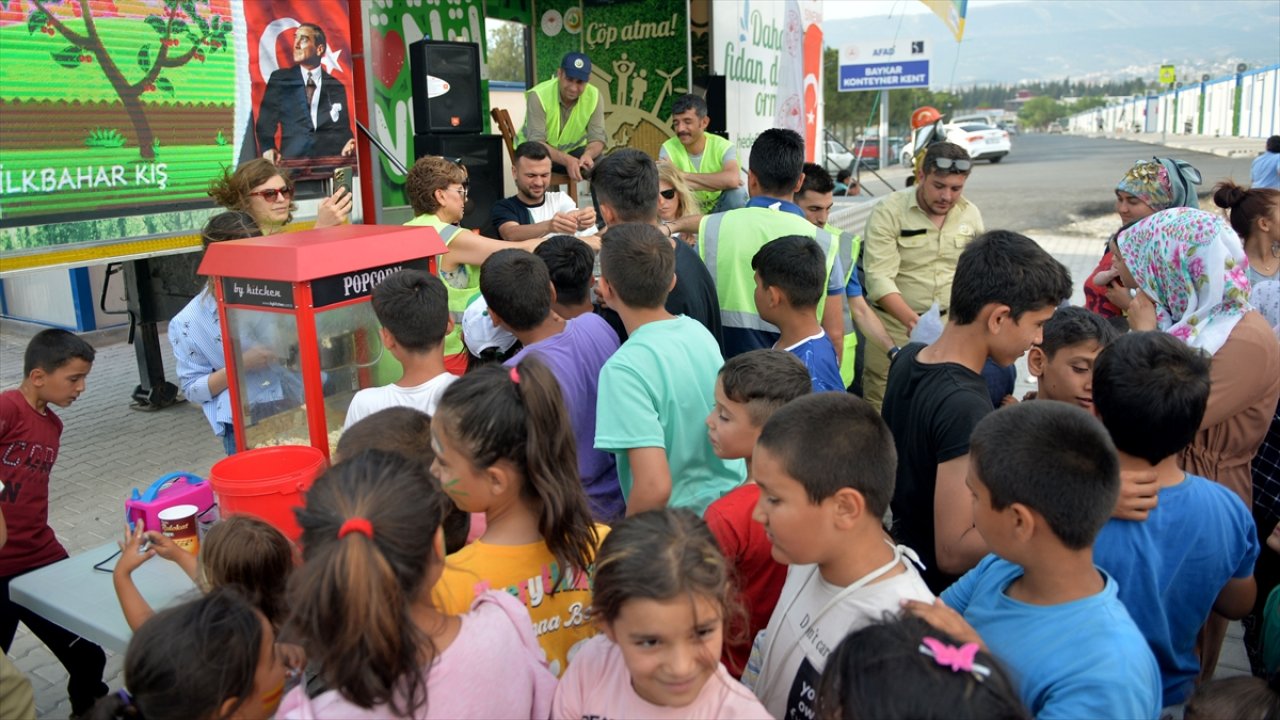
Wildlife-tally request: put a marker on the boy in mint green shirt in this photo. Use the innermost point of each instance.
(657, 389)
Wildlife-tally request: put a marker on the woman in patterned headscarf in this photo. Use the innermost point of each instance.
(1147, 188)
(1187, 269)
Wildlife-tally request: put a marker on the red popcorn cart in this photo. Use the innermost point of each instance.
(298, 327)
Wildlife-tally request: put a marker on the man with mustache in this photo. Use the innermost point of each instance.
(708, 163)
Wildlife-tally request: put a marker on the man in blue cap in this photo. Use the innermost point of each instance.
(565, 114)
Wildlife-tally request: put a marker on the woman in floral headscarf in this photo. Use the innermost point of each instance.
(1147, 188)
(1188, 268)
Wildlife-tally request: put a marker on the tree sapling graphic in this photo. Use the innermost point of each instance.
(181, 24)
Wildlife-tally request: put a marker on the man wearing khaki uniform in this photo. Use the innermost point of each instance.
(913, 240)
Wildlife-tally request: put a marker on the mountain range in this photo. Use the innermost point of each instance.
(1090, 40)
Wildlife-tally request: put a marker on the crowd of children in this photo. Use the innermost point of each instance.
(614, 521)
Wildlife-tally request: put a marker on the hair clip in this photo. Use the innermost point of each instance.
(958, 659)
(515, 375)
(356, 524)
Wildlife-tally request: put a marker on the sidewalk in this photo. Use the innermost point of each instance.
(107, 449)
(1221, 146)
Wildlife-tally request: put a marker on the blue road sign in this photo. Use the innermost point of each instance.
(884, 66)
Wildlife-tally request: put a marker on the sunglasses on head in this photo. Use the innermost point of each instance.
(668, 194)
(271, 194)
(949, 165)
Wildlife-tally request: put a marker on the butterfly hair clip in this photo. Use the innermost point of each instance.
(958, 659)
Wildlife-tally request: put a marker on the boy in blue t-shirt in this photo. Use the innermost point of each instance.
(1044, 478)
(656, 391)
(1195, 552)
(791, 279)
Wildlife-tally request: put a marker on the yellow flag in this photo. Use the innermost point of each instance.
(952, 13)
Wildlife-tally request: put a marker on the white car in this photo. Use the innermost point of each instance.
(837, 158)
(982, 142)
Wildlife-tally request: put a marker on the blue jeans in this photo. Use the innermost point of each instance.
(731, 200)
(228, 437)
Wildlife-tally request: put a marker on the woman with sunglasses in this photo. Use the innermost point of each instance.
(675, 199)
(437, 191)
(265, 192)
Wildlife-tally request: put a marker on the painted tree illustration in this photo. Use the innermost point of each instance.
(183, 34)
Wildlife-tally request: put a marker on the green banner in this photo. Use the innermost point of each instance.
(518, 11)
(557, 30)
(393, 26)
(639, 54)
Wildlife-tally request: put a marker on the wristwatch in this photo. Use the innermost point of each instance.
(893, 352)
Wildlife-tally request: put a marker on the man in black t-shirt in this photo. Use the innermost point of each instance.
(535, 212)
(1006, 287)
(625, 184)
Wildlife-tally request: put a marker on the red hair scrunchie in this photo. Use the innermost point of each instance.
(356, 524)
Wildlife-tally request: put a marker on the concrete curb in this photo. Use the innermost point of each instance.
(23, 331)
(1231, 147)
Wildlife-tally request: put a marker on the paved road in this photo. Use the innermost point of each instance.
(1049, 181)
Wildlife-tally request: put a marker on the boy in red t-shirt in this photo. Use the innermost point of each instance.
(749, 388)
(55, 366)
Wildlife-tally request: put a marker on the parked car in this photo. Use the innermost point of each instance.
(982, 142)
(1055, 128)
(837, 157)
(983, 118)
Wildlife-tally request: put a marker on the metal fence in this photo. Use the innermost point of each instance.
(1245, 104)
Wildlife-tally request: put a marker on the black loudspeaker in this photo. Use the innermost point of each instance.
(481, 155)
(716, 109)
(446, 87)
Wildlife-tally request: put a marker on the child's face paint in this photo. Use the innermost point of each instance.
(268, 680)
(459, 478)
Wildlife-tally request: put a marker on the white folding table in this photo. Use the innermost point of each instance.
(83, 600)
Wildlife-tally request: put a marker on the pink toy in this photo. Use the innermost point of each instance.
(172, 489)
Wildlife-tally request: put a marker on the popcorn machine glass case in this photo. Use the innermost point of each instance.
(298, 327)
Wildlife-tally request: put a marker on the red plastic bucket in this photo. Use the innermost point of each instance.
(267, 483)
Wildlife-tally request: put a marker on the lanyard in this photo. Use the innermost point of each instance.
(899, 552)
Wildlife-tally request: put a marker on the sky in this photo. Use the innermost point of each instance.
(1090, 40)
(841, 9)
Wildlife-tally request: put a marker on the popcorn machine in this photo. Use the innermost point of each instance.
(298, 327)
